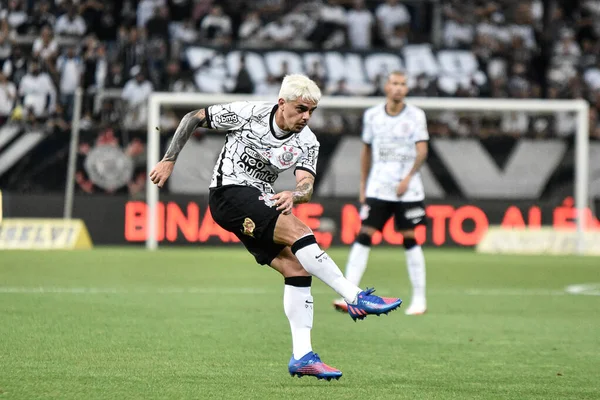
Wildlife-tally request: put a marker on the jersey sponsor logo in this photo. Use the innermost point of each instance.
(311, 157)
(248, 227)
(227, 118)
(387, 154)
(255, 166)
(255, 154)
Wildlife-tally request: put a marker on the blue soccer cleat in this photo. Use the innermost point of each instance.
(367, 304)
(311, 365)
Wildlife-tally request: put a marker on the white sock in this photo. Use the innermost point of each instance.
(298, 306)
(415, 263)
(357, 262)
(317, 263)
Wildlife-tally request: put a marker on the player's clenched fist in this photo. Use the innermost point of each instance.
(161, 172)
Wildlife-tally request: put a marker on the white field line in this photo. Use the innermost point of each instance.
(514, 292)
(124, 290)
(589, 289)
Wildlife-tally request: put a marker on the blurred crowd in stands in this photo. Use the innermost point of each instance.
(49, 48)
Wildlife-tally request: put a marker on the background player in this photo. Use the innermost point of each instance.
(395, 146)
(264, 139)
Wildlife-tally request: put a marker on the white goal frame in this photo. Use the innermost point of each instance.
(195, 100)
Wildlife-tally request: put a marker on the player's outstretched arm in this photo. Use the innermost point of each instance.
(188, 124)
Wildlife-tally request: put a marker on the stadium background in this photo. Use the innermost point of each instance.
(204, 321)
(119, 52)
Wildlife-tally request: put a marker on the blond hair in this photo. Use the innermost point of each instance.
(298, 86)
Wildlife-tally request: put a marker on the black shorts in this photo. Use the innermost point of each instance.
(407, 215)
(240, 209)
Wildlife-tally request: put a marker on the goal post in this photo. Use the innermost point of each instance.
(197, 100)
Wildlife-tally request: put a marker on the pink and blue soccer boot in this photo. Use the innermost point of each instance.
(311, 365)
(367, 304)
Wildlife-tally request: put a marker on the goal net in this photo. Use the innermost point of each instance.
(484, 150)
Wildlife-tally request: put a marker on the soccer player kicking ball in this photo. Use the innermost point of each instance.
(395, 146)
(262, 140)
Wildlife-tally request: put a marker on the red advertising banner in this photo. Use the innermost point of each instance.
(186, 220)
(338, 223)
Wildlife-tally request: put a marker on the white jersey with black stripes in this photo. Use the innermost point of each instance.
(256, 151)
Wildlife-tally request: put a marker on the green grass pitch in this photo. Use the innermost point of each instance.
(208, 323)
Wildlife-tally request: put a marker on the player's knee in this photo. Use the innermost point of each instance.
(409, 243)
(302, 230)
(364, 238)
(290, 229)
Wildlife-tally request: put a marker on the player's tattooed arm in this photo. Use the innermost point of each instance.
(304, 188)
(188, 124)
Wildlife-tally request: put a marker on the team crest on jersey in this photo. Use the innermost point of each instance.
(287, 157)
(405, 127)
(248, 227)
(227, 118)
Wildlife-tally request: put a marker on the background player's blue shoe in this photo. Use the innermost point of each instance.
(311, 365)
(369, 304)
